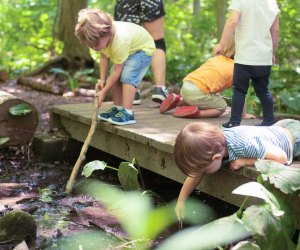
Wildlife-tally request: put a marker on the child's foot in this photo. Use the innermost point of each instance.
(108, 114)
(160, 94)
(229, 124)
(137, 98)
(122, 118)
(169, 103)
(187, 112)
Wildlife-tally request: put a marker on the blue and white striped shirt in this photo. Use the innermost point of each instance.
(253, 141)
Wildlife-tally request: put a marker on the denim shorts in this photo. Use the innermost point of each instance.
(135, 68)
(294, 127)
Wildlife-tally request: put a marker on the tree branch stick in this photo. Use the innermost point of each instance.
(84, 148)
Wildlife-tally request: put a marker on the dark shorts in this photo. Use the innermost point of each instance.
(138, 11)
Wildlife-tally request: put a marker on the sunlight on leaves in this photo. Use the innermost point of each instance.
(217, 233)
(285, 178)
(90, 167)
(45, 194)
(267, 228)
(20, 109)
(246, 245)
(128, 176)
(257, 190)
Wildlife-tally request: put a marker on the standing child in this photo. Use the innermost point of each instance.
(130, 48)
(200, 148)
(256, 26)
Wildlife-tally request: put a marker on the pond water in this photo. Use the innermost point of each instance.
(58, 215)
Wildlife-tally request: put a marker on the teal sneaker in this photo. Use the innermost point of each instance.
(122, 118)
(108, 114)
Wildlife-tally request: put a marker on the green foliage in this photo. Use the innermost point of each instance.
(285, 178)
(45, 194)
(127, 173)
(20, 109)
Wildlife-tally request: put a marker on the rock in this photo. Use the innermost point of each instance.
(17, 226)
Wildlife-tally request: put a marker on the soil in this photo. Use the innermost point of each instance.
(42, 191)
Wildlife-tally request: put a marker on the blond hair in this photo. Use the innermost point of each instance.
(229, 49)
(92, 25)
(195, 146)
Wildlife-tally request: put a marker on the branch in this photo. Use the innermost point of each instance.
(84, 148)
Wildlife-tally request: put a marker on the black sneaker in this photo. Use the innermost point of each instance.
(160, 94)
(229, 125)
(137, 98)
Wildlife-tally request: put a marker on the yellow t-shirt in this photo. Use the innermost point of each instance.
(128, 39)
(213, 76)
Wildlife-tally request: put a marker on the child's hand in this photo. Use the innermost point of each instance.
(101, 95)
(217, 50)
(237, 164)
(179, 210)
(99, 85)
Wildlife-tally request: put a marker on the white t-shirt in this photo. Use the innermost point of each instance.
(253, 41)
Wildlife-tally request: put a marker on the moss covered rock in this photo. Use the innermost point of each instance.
(16, 227)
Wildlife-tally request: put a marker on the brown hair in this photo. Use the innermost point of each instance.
(92, 25)
(195, 146)
(229, 49)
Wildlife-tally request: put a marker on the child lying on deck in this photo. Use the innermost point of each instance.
(200, 148)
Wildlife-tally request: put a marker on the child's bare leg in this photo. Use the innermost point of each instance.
(210, 113)
(117, 94)
(128, 95)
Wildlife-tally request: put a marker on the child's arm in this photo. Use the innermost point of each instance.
(188, 186)
(273, 153)
(103, 69)
(228, 30)
(112, 79)
(275, 35)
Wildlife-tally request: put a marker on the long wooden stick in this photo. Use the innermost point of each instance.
(84, 148)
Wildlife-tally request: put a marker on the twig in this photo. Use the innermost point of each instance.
(84, 148)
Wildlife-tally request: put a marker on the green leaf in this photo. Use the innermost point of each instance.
(3, 140)
(217, 233)
(246, 245)
(60, 71)
(267, 229)
(128, 176)
(90, 167)
(45, 194)
(257, 190)
(285, 178)
(292, 102)
(20, 109)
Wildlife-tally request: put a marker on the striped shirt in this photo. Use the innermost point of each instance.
(253, 141)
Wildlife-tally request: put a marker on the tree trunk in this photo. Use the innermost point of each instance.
(76, 54)
(221, 7)
(196, 7)
(18, 129)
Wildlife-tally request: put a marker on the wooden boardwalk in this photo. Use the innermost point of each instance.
(150, 141)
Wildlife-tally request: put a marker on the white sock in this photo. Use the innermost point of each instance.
(129, 111)
(118, 107)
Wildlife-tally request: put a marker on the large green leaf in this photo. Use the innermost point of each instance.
(131, 208)
(292, 102)
(217, 233)
(246, 245)
(90, 167)
(128, 176)
(20, 109)
(267, 228)
(3, 140)
(285, 178)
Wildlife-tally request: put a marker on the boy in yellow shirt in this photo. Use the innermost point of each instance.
(129, 47)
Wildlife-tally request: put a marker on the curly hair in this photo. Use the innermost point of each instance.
(195, 146)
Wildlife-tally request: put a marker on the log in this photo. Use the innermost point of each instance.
(19, 129)
(41, 84)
